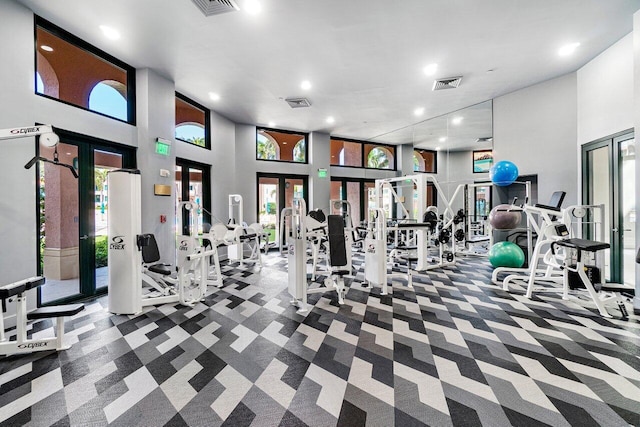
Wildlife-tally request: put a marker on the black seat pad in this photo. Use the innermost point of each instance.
(583, 244)
(55, 311)
(17, 288)
(160, 269)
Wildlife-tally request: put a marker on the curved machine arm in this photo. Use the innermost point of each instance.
(47, 137)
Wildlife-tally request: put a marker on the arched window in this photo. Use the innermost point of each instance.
(105, 98)
(380, 158)
(300, 151)
(341, 157)
(267, 147)
(192, 133)
(100, 85)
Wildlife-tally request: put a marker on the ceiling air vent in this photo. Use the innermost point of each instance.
(216, 7)
(447, 83)
(298, 102)
(484, 139)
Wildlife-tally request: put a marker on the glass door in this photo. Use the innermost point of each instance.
(59, 231)
(103, 162)
(72, 216)
(356, 192)
(193, 184)
(608, 167)
(276, 192)
(627, 218)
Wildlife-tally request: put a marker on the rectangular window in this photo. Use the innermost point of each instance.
(281, 146)
(74, 72)
(362, 155)
(425, 161)
(192, 122)
(346, 153)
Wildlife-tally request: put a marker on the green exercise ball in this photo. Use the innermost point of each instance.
(506, 254)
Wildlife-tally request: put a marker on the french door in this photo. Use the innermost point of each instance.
(276, 192)
(608, 177)
(356, 192)
(72, 215)
(193, 184)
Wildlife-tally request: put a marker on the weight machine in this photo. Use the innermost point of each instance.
(17, 291)
(577, 256)
(241, 234)
(134, 257)
(416, 235)
(48, 138)
(296, 237)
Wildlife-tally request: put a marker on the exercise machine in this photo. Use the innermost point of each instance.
(375, 253)
(242, 235)
(48, 138)
(605, 291)
(296, 238)
(17, 291)
(134, 257)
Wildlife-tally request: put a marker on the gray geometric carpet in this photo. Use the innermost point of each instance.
(453, 351)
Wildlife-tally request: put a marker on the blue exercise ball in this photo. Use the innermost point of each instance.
(503, 173)
(506, 254)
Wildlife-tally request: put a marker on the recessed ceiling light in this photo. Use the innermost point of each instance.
(109, 32)
(305, 85)
(284, 143)
(442, 139)
(418, 111)
(330, 119)
(456, 120)
(271, 124)
(430, 69)
(568, 49)
(46, 48)
(214, 96)
(252, 7)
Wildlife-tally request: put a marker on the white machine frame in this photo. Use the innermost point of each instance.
(18, 291)
(127, 273)
(296, 237)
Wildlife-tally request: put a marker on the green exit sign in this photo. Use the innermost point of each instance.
(163, 147)
(322, 173)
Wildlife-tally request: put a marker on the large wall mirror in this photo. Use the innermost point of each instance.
(463, 141)
(456, 148)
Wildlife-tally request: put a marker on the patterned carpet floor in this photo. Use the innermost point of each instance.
(455, 350)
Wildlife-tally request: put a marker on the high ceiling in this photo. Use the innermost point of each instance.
(364, 58)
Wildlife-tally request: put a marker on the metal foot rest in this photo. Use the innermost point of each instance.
(340, 273)
(615, 287)
(55, 311)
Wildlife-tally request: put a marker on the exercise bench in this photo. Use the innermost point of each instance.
(613, 290)
(22, 344)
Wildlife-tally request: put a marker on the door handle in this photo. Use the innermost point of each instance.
(85, 237)
(615, 230)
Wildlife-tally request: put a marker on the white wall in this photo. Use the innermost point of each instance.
(536, 128)
(17, 192)
(155, 97)
(605, 93)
